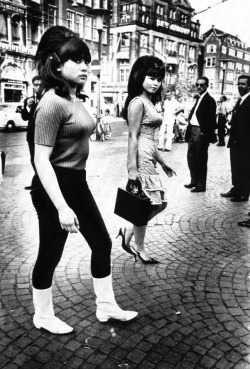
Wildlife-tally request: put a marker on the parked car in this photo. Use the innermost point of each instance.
(10, 117)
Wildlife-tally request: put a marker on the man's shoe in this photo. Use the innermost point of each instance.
(230, 193)
(244, 223)
(220, 144)
(199, 189)
(239, 198)
(159, 148)
(190, 185)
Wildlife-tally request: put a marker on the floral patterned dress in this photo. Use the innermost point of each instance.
(152, 182)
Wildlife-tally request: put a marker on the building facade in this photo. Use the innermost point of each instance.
(159, 27)
(225, 58)
(22, 23)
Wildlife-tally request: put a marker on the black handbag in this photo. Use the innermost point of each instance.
(133, 207)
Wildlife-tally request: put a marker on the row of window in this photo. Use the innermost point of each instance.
(211, 62)
(232, 52)
(161, 45)
(82, 24)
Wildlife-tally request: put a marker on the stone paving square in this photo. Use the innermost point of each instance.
(194, 310)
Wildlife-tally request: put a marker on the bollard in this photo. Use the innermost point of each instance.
(3, 156)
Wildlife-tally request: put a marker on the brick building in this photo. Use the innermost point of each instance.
(225, 58)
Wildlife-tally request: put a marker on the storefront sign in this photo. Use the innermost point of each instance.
(173, 27)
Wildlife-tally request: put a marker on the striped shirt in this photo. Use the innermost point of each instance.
(66, 126)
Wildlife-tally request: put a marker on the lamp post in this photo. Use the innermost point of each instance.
(224, 68)
(99, 14)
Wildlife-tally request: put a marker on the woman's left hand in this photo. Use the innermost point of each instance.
(169, 171)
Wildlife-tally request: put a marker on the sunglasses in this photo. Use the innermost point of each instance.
(200, 84)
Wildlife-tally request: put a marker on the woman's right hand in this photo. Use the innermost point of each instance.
(68, 220)
(133, 179)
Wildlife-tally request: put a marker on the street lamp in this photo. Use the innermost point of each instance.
(224, 68)
(99, 13)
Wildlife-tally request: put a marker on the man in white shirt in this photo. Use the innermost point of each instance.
(170, 106)
(200, 132)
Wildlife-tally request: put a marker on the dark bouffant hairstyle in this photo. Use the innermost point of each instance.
(147, 65)
(57, 45)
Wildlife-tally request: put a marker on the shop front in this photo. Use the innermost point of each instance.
(13, 83)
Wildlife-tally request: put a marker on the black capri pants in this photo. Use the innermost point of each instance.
(52, 237)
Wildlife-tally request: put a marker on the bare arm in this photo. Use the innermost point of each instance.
(135, 113)
(47, 175)
(169, 171)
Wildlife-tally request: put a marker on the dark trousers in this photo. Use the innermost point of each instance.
(240, 168)
(32, 153)
(197, 157)
(221, 128)
(53, 238)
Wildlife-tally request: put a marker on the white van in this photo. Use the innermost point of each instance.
(10, 117)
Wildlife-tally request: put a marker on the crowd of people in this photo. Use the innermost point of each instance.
(58, 135)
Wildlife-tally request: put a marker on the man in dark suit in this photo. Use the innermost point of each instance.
(27, 113)
(200, 132)
(239, 144)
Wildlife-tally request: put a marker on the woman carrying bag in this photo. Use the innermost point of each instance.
(60, 194)
(144, 92)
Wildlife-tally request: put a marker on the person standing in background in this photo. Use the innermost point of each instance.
(200, 132)
(27, 113)
(222, 120)
(239, 144)
(170, 106)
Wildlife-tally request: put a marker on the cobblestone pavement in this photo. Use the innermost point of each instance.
(193, 307)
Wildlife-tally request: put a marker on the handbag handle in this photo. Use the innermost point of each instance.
(134, 187)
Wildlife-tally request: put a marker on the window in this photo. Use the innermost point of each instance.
(88, 28)
(239, 66)
(183, 18)
(213, 62)
(105, 35)
(159, 10)
(246, 68)
(124, 74)
(100, 4)
(70, 20)
(247, 57)
(95, 32)
(192, 52)
(211, 48)
(208, 62)
(79, 24)
(93, 86)
(51, 16)
(125, 40)
(224, 49)
(230, 65)
(144, 41)
(182, 49)
(159, 44)
(231, 52)
(240, 54)
(172, 14)
(88, 3)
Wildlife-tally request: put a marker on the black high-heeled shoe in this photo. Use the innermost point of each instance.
(125, 247)
(149, 261)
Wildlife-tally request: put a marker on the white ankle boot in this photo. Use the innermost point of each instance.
(44, 313)
(107, 307)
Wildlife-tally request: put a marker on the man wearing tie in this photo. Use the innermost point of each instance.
(200, 132)
(239, 145)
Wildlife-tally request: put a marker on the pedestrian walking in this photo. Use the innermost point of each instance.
(166, 132)
(27, 113)
(200, 132)
(144, 91)
(239, 145)
(60, 193)
(222, 112)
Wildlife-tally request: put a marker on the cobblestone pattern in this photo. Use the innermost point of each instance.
(193, 307)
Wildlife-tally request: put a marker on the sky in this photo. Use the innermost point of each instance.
(231, 16)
